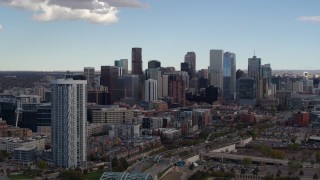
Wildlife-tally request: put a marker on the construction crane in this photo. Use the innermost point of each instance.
(18, 111)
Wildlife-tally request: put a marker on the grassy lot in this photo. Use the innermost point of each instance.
(93, 175)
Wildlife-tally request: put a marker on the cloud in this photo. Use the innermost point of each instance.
(0, 27)
(313, 19)
(94, 11)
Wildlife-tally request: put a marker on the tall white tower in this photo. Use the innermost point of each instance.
(216, 68)
(151, 90)
(68, 123)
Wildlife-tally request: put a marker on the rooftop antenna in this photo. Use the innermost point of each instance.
(254, 52)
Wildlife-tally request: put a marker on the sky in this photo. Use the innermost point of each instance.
(51, 35)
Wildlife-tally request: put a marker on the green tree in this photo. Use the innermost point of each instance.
(301, 173)
(42, 164)
(122, 164)
(294, 147)
(247, 161)
(114, 162)
(278, 173)
(294, 165)
(318, 157)
(70, 175)
(100, 167)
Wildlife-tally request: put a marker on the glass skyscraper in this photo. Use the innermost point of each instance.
(229, 75)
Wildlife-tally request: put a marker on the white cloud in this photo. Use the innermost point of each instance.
(0, 27)
(94, 11)
(313, 19)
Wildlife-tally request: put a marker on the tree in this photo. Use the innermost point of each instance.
(243, 171)
(191, 167)
(278, 173)
(301, 173)
(114, 162)
(294, 147)
(278, 154)
(247, 161)
(122, 164)
(255, 171)
(315, 176)
(70, 175)
(85, 171)
(294, 165)
(100, 167)
(318, 157)
(42, 164)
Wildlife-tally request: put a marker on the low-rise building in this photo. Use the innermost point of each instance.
(24, 155)
(10, 143)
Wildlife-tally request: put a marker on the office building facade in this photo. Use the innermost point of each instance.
(150, 91)
(216, 68)
(136, 59)
(229, 76)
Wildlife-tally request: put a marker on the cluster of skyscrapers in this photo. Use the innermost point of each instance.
(116, 84)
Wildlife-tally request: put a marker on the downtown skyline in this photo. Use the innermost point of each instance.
(284, 34)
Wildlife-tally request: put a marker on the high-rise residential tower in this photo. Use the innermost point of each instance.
(190, 58)
(136, 61)
(216, 68)
(229, 75)
(88, 72)
(68, 123)
(254, 71)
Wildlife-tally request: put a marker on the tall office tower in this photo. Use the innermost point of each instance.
(266, 76)
(109, 77)
(128, 88)
(122, 63)
(165, 85)
(186, 68)
(190, 58)
(150, 92)
(254, 71)
(88, 72)
(154, 64)
(246, 91)
(155, 74)
(69, 118)
(136, 61)
(229, 76)
(266, 72)
(177, 89)
(215, 69)
(203, 73)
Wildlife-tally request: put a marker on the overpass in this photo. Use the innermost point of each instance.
(240, 158)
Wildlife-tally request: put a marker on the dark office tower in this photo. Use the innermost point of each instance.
(99, 96)
(154, 64)
(240, 74)
(185, 67)
(255, 72)
(109, 77)
(137, 61)
(277, 81)
(190, 58)
(246, 91)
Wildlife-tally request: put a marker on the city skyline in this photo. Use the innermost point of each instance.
(165, 30)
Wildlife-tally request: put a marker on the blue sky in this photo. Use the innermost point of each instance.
(284, 33)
